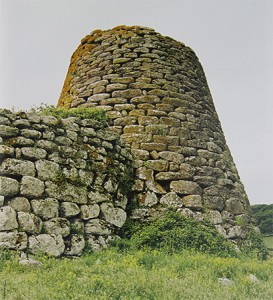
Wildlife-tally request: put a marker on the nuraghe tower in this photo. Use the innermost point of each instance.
(157, 98)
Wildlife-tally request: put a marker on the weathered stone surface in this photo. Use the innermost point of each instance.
(67, 192)
(96, 197)
(234, 206)
(33, 153)
(8, 240)
(171, 200)
(57, 226)
(185, 187)
(9, 186)
(90, 211)
(6, 151)
(8, 131)
(2, 199)
(113, 215)
(20, 204)
(193, 201)
(8, 219)
(214, 216)
(51, 245)
(97, 226)
(172, 156)
(29, 223)
(11, 166)
(32, 187)
(75, 246)
(47, 170)
(45, 208)
(69, 209)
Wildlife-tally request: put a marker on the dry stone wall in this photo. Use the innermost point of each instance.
(61, 184)
(155, 92)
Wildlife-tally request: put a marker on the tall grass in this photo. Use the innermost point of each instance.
(141, 274)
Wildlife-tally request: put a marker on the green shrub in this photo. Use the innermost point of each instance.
(174, 233)
(254, 244)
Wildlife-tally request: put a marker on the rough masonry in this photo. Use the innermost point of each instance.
(155, 92)
(64, 182)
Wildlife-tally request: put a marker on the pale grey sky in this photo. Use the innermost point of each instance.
(232, 38)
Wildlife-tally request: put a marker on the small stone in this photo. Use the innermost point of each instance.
(31, 187)
(49, 120)
(2, 200)
(253, 278)
(29, 262)
(225, 281)
(9, 186)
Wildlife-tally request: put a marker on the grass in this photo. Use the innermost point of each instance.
(141, 274)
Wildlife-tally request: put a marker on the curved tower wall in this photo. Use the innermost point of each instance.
(157, 98)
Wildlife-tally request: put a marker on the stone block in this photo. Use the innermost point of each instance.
(185, 187)
(57, 226)
(9, 186)
(20, 204)
(45, 208)
(90, 211)
(29, 223)
(113, 215)
(8, 220)
(192, 201)
(47, 170)
(12, 166)
(32, 187)
(51, 245)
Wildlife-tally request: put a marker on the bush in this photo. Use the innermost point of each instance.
(174, 233)
(254, 244)
(264, 216)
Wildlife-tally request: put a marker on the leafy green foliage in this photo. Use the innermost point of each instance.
(174, 232)
(264, 216)
(254, 244)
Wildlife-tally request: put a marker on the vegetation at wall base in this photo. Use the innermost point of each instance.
(140, 274)
(173, 233)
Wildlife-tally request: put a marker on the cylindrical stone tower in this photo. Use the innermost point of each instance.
(157, 98)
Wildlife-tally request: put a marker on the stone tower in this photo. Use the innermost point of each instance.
(155, 93)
